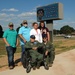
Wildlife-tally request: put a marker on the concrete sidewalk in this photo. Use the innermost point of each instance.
(64, 64)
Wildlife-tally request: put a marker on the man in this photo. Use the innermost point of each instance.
(49, 51)
(33, 46)
(11, 41)
(24, 34)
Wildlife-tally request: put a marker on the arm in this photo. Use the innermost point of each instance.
(40, 36)
(20, 35)
(17, 42)
(6, 42)
(48, 34)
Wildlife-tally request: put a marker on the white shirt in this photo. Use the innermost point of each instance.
(37, 33)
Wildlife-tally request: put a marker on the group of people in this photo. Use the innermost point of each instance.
(28, 36)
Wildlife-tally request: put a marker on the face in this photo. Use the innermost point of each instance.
(35, 26)
(25, 24)
(42, 24)
(32, 40)
(11, 27)
(44, 39)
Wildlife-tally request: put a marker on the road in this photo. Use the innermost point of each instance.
(64, 64)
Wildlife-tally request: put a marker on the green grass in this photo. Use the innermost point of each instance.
(59, 43)
(3, 48)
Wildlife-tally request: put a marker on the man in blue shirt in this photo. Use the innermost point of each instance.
(11, 41)
(24, 34)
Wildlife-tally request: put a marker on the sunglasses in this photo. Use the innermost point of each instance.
(24, 23)
(11, 26)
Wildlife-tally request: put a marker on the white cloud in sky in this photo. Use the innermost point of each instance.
(11, 9)
(27, 14)
(3, 15)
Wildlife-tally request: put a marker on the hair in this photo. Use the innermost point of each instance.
(40, 24)
(34, 23)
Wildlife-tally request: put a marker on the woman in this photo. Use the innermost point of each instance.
(35, 31)
(44, 30)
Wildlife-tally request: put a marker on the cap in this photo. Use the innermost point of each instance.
(24, 21)
(32, 36)
(44, 35)
(10, 23)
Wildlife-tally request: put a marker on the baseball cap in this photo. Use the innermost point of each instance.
(10, 23)
(24, 21)
(32, 36)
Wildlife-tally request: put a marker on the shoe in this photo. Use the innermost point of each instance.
(50, 65)
(34, 68)
(11, 67)
(38, 66)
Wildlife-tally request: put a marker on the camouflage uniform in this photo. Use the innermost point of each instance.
(34, 53)
(51, 52)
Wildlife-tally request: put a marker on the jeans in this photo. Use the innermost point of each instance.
(10, 53)
(23, 49)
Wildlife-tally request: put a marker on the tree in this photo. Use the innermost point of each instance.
(1, 31)
(66, 30)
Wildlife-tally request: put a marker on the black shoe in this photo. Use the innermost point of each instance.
(34, 68)
(50, 65)
(38, 66)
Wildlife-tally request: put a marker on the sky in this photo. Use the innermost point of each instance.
(18, 10)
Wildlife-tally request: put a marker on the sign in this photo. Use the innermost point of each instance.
(50, 12)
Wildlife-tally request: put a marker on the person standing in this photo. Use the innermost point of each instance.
(44, 30)
(10, 38)
(35, 31)
(24, 34)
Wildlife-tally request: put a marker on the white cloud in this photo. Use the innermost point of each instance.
(11, 9)
(27, 14)
(3, 15)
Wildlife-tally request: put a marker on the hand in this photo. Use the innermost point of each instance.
(46, 53)
(25, 41)
(34, 48)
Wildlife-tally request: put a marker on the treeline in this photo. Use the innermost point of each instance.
(63, 30)
(67, 30)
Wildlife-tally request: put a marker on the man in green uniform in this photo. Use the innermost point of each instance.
(49, 51)
(32, 46)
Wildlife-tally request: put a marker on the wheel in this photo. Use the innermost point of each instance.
(28, 69)
(46, 66)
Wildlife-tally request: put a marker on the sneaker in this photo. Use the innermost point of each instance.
(50, 65)
(38, 66)
(11, 67)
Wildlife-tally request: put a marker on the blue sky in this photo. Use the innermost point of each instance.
(18, 10)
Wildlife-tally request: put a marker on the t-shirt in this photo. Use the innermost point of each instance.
(11, 37)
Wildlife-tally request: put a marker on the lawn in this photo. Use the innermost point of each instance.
(61, 45)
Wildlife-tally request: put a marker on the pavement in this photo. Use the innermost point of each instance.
(64, 64)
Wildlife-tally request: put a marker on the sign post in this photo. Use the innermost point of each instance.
(49, 13)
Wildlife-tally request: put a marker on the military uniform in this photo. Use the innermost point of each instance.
(34, 53)
(51, 52)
